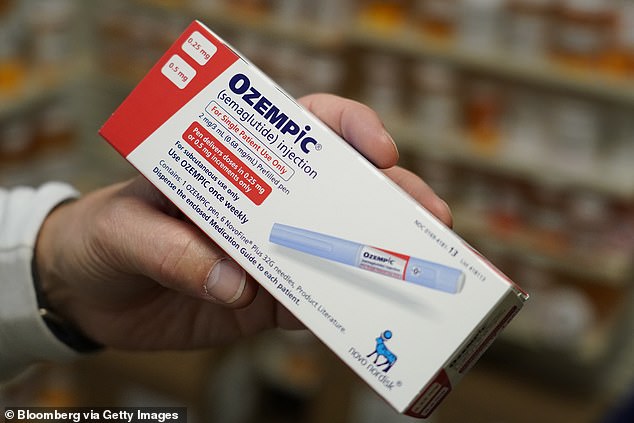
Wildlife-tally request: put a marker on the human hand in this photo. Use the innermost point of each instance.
(124, 266)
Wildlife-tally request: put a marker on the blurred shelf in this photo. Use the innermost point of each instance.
(61, 165)
(589, 357)
(299, 32)
(612, 268)
(408, 41)
(39, 86)
(33, 91)
(599, 176)
(261, 23)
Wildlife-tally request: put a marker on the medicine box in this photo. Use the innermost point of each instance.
(397, 295)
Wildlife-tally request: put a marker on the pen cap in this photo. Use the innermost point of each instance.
(434, 275)
(314, 243)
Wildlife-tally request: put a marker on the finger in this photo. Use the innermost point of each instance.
(421, 192)
(174, 253)
(357, 124)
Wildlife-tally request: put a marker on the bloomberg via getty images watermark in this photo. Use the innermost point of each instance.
(100, 414)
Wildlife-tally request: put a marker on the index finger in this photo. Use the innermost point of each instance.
(356, 123)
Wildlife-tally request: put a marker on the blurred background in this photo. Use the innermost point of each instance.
(520, 113)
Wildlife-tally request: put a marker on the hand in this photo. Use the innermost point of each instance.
(124, 267)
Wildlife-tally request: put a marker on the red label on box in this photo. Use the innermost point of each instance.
(182, 72)
(227, 163)
(431, 397)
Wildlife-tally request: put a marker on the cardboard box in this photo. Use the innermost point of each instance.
(392, 291)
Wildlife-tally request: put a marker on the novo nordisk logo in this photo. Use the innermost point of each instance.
(383, 361)
(381, 350)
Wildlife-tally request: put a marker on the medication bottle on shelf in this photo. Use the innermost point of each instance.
(327, 14)
(508, 212)
(477, 194)
(51, 38)
(624, 65)
(483, 113)
(527, 136)
(384, 14)
(577, 131)
(617, 153)
(621, 235)
(286, 69)
(584, 33)
(589, 215)
(435, 103)
(480, 24)
(16, 139)
(289, 12)
(328, 72)
(549, 227)
(437, 18)
(528, 29)
(12, 51)
(55, 127)
(382, 83)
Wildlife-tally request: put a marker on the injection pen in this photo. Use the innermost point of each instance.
(399, 266)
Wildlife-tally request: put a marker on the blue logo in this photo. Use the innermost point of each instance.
(381, 350)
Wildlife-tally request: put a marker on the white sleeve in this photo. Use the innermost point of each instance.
(24, 337)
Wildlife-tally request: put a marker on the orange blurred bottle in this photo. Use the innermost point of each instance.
(625, 38)
(384, 14)
(437, 18)
(12, 74)
(483, 110)
(12, 67)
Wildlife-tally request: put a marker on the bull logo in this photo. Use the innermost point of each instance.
(381, 350)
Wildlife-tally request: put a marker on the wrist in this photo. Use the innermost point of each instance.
(51, 289)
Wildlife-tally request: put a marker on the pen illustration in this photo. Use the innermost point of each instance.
(399, 266)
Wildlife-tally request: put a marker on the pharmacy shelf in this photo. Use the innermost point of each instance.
(33, 92)
(257, 23)
(40, 86)
(601, 177)
(263, 24)
(588, 350)
(410, 42)
(59, 165)
(611, 268)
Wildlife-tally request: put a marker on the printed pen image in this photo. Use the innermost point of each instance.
(399, 266)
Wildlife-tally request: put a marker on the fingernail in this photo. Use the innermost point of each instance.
(444, 205)
(389, 139)
(225, 282)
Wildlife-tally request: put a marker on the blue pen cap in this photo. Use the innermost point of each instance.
(314, 243)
